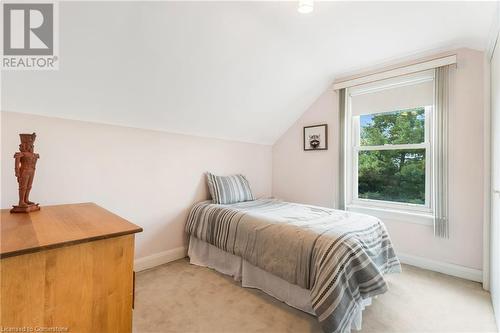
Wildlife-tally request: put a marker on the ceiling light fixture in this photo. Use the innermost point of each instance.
(305, 6)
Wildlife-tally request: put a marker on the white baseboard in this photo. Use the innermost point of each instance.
(432, 265)
(442, 267)
(159, 258)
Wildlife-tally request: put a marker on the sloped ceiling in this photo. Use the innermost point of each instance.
(235, 70)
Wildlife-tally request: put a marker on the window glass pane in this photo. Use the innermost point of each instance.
(392, 175)
(398, 127)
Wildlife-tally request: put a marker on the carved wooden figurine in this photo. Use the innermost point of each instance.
(25, 162)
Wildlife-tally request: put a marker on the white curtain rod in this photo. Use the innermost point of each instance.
(418, 67)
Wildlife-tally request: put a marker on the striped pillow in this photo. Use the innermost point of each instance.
(229, 189)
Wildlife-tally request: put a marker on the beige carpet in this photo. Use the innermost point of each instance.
(179, 297)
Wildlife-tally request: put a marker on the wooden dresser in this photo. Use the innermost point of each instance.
(68, 268)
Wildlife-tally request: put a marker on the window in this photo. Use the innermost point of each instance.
(389, 144)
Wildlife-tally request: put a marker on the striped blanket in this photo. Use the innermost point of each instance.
(339, 256)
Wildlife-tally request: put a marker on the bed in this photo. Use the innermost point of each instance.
(326, 262)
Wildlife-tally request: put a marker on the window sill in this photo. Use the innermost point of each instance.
(394, 215)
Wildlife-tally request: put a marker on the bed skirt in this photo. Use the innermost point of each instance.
(203, 254)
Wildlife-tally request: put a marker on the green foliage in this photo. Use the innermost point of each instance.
(393, 175)
(401, 127)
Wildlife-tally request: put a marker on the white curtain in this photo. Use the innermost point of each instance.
(441, 221)
(341, 203)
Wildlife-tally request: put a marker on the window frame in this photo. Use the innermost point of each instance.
(353, 147)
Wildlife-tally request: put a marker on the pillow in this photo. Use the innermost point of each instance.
(229, 189)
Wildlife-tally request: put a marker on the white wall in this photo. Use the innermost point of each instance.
(309, 176)
(312, 177)
(495, 183)
(150, 178)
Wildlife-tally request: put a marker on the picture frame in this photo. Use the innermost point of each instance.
(315, 137)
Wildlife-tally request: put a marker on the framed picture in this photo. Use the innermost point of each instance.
(316, 137)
